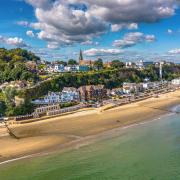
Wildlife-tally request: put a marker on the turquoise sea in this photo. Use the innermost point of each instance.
(149, 151)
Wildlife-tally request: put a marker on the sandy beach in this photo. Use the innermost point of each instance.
(53, 134)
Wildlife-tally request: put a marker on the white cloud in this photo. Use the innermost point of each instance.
(30, 34)
(170, 31)
(102, 52)
(117, 27)
(131, 39)
(23, 23)
(149, 38)
(45, 4)
(67, 26)
(89, 42)
(53, 45)
(65, 22)
(13, 41)
(174, 52)
(134, 11)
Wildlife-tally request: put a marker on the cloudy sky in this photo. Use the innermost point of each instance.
(124, 29)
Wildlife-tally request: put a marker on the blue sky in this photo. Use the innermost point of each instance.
(58, 29)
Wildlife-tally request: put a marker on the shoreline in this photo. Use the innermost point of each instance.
(73, 145)
(53, 135)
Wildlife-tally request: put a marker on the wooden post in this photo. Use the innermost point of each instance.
(9, 131)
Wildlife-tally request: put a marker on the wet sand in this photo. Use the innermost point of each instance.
(56, 133)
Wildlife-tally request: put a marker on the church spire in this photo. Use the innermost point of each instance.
(80, 55)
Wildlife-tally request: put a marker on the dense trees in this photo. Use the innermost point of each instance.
(62, 62)
(8, 106)
(2, 108)
(171, 71)
(13, 65)
(8, 100)
(16, 71)
(17, 55)
(117, 64)
(111, 78)
(72, 62)
(26, 108)
(151, 72)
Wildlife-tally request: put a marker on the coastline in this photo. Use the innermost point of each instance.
(76, 144)
(75, 130)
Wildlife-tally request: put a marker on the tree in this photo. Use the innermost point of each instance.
(24, 109)
(98, 64)
(63, 63)
(2, 108)
(12, 65)
(17, 58)
(72, 62)
(9, 94)
(117, 64)
(26, 75)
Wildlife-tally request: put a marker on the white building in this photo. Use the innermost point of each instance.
(116, 91)
(129, 88)
(55, 68)
(176, 82)
(155, 85)
(72, 68)
(70, 94)
(51, 98)
(59, 68)
(49, 68)
(148, 85)
(140, 64)
(128, 64)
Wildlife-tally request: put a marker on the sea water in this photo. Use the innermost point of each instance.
(149, 151)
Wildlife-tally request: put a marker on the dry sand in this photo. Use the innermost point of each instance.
(51, 134)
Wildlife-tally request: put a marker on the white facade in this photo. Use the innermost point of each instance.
(61, 68)
(129, 88)
(70, 94)
(55, 68)
(154, 85)
(128, 64)
(51, 98)
(73, 68)
(140, 64)
(148, 85)
(117, 91)
(175, 82)
(131, 65)
(58, 68)
(50, 69)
